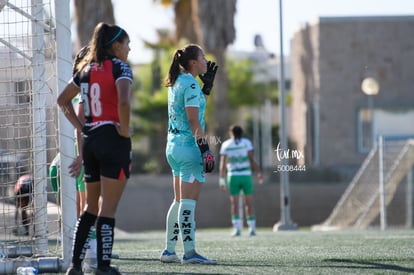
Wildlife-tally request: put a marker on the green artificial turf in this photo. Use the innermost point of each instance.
(285, 252)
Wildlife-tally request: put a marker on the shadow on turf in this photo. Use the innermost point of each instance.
(245, 263)
(137, 259)
(369, 265)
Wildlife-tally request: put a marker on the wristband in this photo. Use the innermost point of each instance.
(222, 182)
(206, 89)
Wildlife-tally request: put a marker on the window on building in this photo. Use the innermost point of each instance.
(22, 89)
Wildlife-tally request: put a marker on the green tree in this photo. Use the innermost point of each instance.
(150, 112)
(242, 91)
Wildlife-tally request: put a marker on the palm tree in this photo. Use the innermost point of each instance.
(209, 23)
(88, 14)
(187, 22)
(217, 22)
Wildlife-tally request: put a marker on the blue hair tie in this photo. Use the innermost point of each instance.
(114, 38)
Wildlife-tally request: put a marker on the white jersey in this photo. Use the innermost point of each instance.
(237, 156)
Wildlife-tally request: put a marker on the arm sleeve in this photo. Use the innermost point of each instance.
(121, 70)
(249, 144)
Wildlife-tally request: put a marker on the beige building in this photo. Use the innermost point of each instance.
(333, 122)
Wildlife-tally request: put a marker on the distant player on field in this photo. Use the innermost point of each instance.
(23, 192)
(236, 164)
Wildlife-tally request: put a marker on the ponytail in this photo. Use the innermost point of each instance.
(174, 69)
(79, 61)
(237, 133)
(181, 60)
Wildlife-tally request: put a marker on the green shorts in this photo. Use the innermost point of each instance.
(237, 183)
(54, 179)
(80, 183)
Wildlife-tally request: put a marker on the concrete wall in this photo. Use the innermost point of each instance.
(330, 58)
(146, 200)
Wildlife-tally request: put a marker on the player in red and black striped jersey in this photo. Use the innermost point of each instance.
(99, 93)
(104, 80)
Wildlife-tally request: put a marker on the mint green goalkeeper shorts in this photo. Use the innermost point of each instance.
(185, 161)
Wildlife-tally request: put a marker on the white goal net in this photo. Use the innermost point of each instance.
(31, 228)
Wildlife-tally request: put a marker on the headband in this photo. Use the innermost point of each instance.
(114, 38)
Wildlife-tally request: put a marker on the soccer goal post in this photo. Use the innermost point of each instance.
(35, 64)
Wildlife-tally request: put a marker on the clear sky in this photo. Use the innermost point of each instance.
(142, 17)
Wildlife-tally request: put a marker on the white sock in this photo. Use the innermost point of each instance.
(251, 222)
(236, 223)
(187, 224)
(172, 230)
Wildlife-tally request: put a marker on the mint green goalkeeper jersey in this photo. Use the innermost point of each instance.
(237, 153)
(185, 92)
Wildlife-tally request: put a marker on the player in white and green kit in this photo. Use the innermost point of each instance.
(236, 162)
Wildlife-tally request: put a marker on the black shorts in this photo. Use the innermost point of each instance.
(106, 153)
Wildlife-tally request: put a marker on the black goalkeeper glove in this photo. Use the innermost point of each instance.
(208, 77)
(207, 155)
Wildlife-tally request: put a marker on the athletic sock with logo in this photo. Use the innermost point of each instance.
(187, 225)
(80, 244)
(105, 239)
(173, 229)
(90, 255)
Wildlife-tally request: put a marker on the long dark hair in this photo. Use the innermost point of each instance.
(80, 55)
(182, 59)
(237, 132)
(100, 46)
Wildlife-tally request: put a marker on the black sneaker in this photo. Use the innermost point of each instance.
(74, 271)
(108, 271)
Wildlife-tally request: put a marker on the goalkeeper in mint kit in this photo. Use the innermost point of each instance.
(187, 150)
